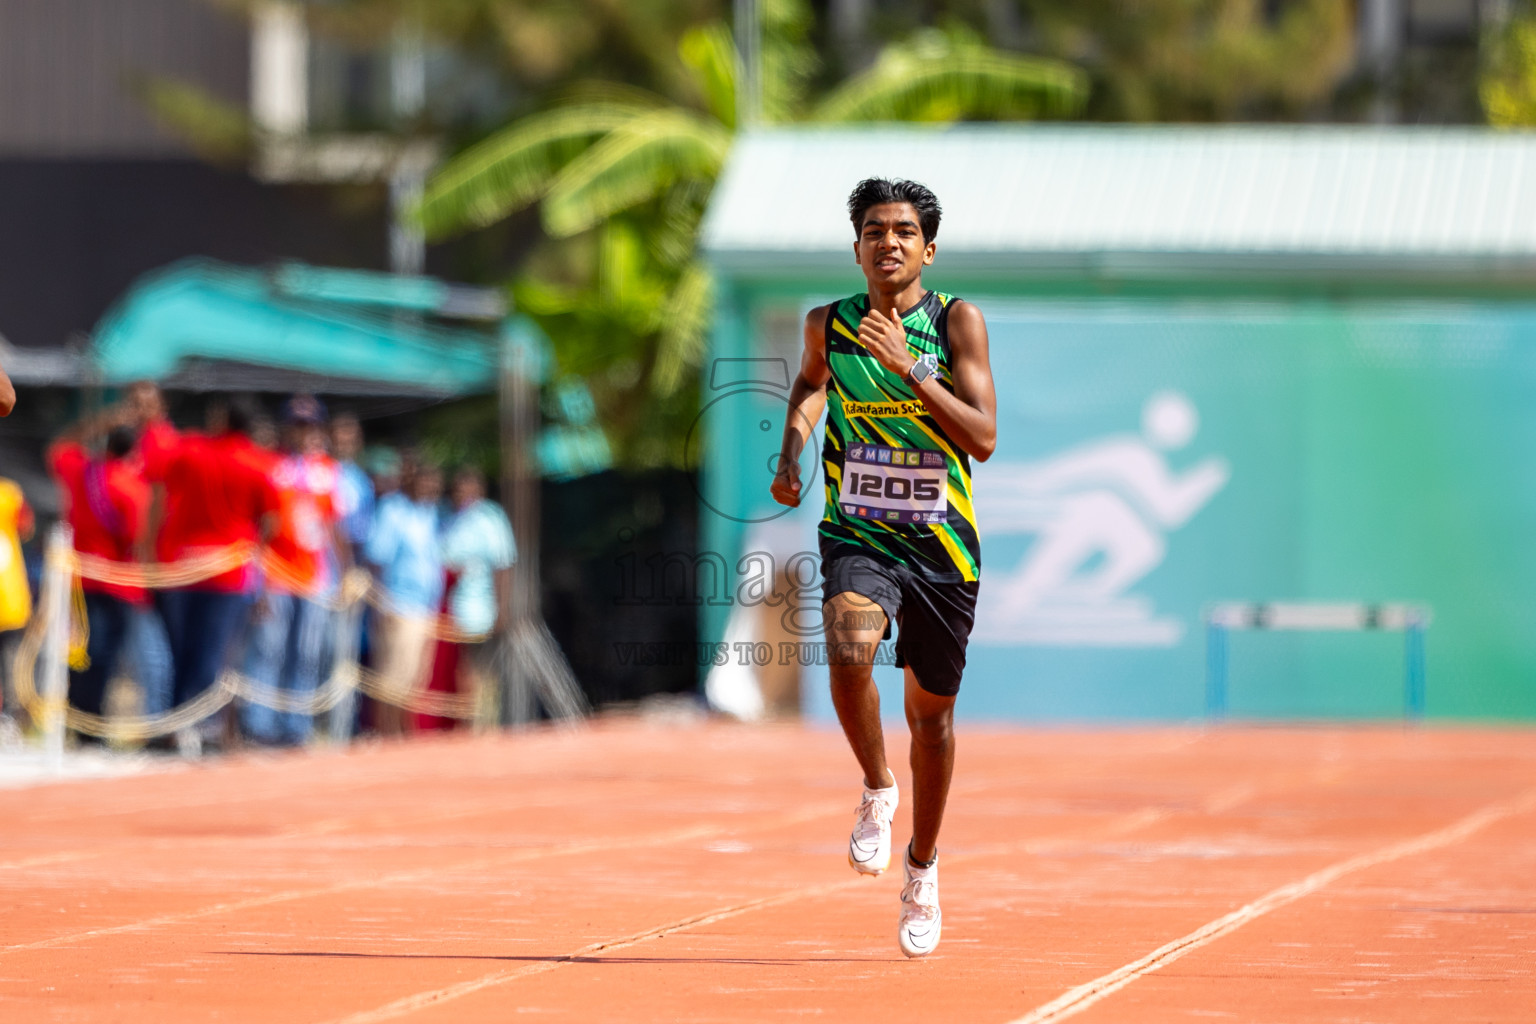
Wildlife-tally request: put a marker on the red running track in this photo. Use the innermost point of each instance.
(636, 872)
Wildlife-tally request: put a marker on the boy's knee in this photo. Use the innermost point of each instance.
(931, 728)
(851, 676)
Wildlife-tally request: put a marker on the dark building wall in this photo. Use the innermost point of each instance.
(606, 537)
(75, 234)
(66, 68)
(93, 193)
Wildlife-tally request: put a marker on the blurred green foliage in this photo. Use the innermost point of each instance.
(1508, 85)
(621, 177)
(614, 117)
(1201, 60)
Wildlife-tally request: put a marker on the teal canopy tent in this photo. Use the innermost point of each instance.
(379, 329)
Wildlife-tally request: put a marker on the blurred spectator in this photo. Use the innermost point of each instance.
(383, 465)
(7, 394)
(479, 549)
(356, 491)
(215, 493)
(146, 650)
(264, 432)
(15, 596)
(16, 525)
(478, 552)
(287, 641)
(106, 503)
(404, 546)
(145, 409)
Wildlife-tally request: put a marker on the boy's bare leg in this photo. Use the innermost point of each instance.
(931, 719)
(854, 626)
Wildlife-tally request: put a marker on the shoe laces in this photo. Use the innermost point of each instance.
(874, 817)
(920, 899)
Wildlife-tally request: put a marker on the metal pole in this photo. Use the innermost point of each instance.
(407, 180)
(1380, 52)
(530, 663)
(1215, 670)
(749, 47)
(55, 653)
(1413, 641)
(520, 496)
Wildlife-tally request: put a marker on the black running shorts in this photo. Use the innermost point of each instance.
(933, 620)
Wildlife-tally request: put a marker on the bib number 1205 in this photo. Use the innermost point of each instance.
(894, 485)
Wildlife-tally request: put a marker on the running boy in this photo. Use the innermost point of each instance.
(903, 372)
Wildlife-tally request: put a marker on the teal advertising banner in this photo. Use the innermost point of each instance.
(1159, 455)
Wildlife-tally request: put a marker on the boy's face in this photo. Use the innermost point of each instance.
(890, 247)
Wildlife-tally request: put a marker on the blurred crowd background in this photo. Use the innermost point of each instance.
(560, 155)
(301, 489)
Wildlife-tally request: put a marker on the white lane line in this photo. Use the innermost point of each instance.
(48, 858)
(410, 1004)
(393, 879)
(428, 874)
(422, 1000)
(1083, 996)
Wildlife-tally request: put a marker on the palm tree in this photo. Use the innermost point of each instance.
(621, 178)
(1508, 84)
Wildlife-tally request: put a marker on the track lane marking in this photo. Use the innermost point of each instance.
(395, 878)
(314, 829)
(1129, 822)
(48, 858)
(423, 1000)
(665, 838)
(1126, 823)
(1076, 1000)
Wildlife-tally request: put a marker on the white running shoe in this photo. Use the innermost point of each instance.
(921, 919)
(869, 848)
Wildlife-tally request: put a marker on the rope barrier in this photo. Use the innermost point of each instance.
(345, 678)
(160, 575)
(357, 584)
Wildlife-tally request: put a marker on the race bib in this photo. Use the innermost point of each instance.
(894, 485)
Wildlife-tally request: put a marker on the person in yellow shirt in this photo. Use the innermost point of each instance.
(15, 595)
(15, 527)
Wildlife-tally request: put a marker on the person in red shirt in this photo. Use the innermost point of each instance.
(214, 493)
(105, 503)
(146, 651)
(286, 646)
(145, 410)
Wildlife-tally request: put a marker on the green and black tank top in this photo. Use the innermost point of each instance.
(896, 485)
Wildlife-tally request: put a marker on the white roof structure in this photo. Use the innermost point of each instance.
(1160, 198)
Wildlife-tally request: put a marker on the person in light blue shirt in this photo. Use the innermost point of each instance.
(478, 547)
(478, 552)
(355, 493)
(403, 545)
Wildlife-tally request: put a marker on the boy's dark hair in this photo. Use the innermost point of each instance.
(875, 191)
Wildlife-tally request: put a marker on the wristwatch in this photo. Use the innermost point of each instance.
(926, 366)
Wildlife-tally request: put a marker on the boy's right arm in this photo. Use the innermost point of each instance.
(807, 401)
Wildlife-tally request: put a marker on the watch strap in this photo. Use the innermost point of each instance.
(929, 366)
